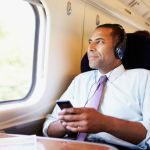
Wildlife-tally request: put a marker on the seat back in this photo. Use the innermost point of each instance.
(85, 64)
(137, 54)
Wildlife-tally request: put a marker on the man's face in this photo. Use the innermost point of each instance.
(101, 50)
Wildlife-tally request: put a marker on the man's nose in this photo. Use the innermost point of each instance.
(92, 47)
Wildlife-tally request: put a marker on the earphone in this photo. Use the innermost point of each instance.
(120, 47)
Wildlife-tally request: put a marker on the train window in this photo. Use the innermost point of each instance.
(19, 36)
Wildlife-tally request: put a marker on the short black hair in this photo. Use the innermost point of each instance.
(118, 31)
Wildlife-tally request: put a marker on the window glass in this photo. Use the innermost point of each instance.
(17, 36)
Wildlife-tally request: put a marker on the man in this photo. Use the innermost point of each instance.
(123, 117)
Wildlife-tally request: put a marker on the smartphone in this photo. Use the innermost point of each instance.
(64, 104)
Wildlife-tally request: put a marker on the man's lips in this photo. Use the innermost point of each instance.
(92, 57)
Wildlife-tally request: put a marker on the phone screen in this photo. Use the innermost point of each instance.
(64, 104)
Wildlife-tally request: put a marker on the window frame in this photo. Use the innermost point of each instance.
(40, 13)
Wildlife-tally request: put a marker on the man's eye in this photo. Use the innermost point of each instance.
(99, 41)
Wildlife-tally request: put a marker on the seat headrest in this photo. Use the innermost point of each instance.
(137, 54)
(85, 64)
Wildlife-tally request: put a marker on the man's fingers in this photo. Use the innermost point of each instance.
(69, 118)
(71, 114)
(77, 126)
(71, 111)
(75, 129)
(71, 126)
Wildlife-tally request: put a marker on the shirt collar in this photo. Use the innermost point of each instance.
(113, 74)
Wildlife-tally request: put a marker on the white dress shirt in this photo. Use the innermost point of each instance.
(126, 96)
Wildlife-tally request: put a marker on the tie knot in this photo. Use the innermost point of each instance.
(102, 79)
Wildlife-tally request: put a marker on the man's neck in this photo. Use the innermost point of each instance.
(112, 67)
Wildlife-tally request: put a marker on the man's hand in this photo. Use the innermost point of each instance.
(82, 120)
